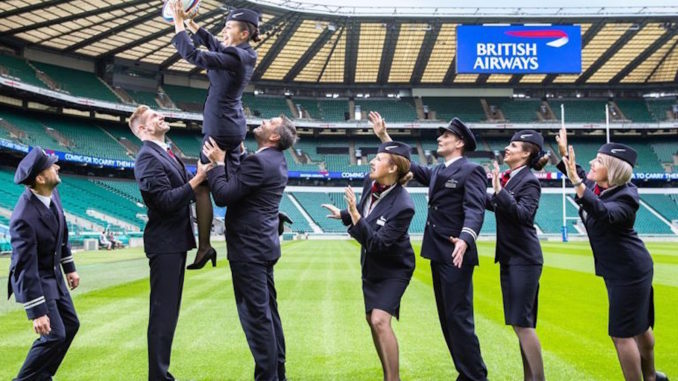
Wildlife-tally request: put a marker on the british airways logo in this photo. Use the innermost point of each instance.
(518, 49)
(558, 37)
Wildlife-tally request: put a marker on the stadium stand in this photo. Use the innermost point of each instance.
(549, 216)
(311, 202)
(18, 68)
(467, 109)
(648, 223)
(77, 82)
(144, 97)
(663, 204)
(186, 98)
(635, 110)
(309, 107)
(580, 111)
(398, 110)
(661, 109)
(516, 111)
(333, 110)
(266, 106)
(300, 224)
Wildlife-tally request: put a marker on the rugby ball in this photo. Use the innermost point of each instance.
(188, 5)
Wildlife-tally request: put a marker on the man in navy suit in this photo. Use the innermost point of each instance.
(39, 238)
(456, 209)
(167, 189)
(252, 196)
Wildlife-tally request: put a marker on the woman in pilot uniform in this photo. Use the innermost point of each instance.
(608, 203)
(230, 64)
(380, 222)
(515, 201)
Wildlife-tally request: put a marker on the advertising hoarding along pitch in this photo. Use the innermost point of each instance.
(518, 49)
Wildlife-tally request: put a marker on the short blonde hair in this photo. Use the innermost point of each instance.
(135, 119)
(619, 172)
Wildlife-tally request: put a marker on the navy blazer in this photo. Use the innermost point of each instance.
(619, 255)
(252, 196)
(515, 207)
(39, 244)
(456, 207)
(229, 70)
(386, 251)
(163, 182)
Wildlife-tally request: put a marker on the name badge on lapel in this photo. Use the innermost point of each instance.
(451, 183)
(381, 221)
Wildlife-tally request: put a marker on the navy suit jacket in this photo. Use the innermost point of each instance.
(515, 207)
(456, 207)
(163, 182)
(39, 246)
(386, 251)
(252, 196)
(229, 70)
(619, 255)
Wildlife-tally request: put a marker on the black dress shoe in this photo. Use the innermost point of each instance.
(210, 255)
(661, 376)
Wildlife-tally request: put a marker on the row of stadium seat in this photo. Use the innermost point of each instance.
(469, 109)
(84, 137)
(121, 200)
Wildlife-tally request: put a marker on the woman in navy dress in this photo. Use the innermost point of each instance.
(515, 201)
(379, 222)
(608, 203)
(229, 64)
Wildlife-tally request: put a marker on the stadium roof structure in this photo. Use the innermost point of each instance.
(346, 47)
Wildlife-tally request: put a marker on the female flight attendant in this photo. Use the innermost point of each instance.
(380, 222)
(514, 202)
(608, 203)
(229, 65)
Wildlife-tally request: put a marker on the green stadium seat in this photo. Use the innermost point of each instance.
(580, 111)
(635, 110)
(266, 106)
(517, 111)
(77, 82)
(659, 107)
(187, 98)
(19, 69)
(394, 110)
(469, 110)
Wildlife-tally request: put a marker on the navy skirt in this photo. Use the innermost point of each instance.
(631, 308)
(520, 292)
(384, 294)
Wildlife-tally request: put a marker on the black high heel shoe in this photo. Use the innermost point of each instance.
(210, 255)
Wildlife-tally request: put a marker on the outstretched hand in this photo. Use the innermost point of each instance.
(571, 166)
(379, 126)
(178, 12)
(561, 138)
(335, 213)
(351, 203)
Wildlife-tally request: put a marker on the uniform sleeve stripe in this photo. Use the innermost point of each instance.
(471, 232)
(67, 260)
(34, 302)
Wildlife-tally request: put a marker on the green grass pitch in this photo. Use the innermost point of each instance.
(321, 305)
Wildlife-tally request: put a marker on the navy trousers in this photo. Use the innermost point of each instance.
(453, 289)
(167, 282)
(48, 351)
(255, 298)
